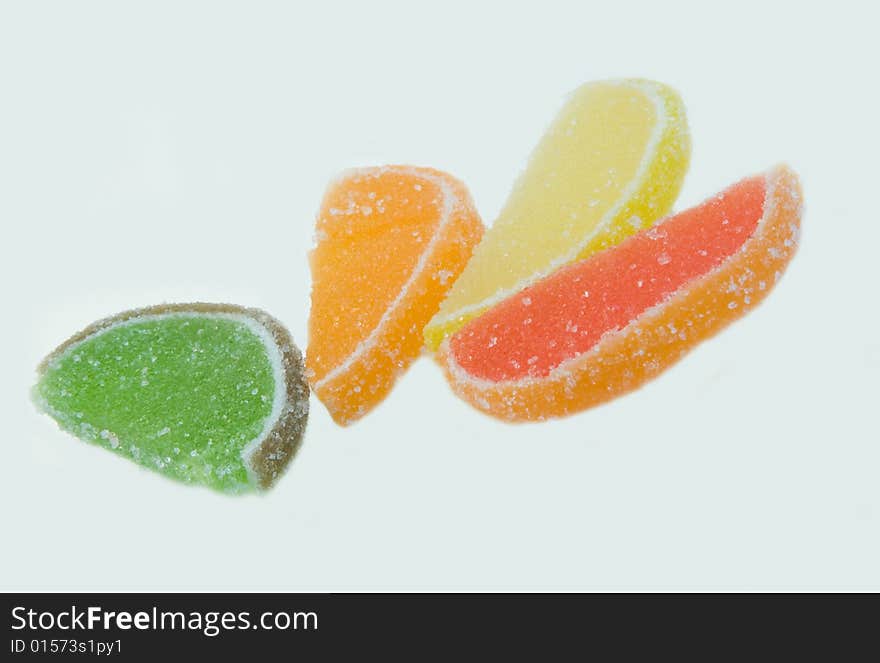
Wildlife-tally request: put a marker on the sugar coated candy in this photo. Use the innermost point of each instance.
(390, 242)
(611, 163)
(603, 326)
(210, 394)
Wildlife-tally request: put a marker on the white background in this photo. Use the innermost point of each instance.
(169, 151)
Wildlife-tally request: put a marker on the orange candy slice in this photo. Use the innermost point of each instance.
(604, 326)
(390, 243)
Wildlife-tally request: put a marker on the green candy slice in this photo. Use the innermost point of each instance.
(209, 394)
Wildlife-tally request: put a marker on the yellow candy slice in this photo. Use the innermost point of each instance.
(612, 163)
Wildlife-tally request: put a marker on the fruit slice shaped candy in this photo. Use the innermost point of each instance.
(390, 243)
(604, 326)
(611, 163)
(210, 394)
